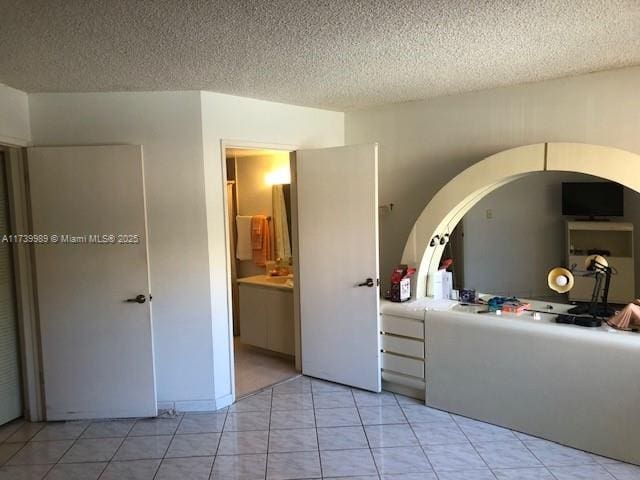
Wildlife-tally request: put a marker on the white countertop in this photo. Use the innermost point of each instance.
(415, 308)
(279, 283)
(546, 316)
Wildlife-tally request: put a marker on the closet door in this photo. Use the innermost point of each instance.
(336, 256)
(10, 382)
(94, 293)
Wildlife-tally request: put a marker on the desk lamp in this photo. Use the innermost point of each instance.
(562, 280)
(596, 266)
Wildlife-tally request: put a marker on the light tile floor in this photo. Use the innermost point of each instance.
(256, 369)
(301, 429)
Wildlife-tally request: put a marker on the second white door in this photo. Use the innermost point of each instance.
(336, 197)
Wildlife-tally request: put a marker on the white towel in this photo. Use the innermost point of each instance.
(243, 247)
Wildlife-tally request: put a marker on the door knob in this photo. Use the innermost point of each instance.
(139, 299)
(369, 283)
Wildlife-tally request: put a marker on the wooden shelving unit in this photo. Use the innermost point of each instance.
(617, 238)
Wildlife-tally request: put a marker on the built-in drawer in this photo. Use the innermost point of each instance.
(402, 345)
(407, 366)
(396, 379)
(407, 327)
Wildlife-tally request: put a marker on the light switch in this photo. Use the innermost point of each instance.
(489, 214)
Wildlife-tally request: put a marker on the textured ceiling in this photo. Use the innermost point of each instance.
(336, 54)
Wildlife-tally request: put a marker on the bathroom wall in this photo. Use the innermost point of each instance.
(424, 144)
(254, 193)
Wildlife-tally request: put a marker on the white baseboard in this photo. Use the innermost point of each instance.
(188, 405)
(224, 401)
(166, 406)
(196, 406)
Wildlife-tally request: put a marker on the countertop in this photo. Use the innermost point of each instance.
(279, 283)
(416, 309)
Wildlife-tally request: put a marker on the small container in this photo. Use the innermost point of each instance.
(401, 291)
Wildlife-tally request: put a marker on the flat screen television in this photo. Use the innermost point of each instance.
(592, 199)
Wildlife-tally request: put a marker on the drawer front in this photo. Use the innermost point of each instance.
(404, 346)
(407, 366)
(410, 382)
(407, 327)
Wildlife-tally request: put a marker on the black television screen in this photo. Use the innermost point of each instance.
(592, 199)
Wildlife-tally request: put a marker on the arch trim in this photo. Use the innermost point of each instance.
(460, 194)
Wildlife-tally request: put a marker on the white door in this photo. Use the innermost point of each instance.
(336, 191)
(10, 384)
(93, 295)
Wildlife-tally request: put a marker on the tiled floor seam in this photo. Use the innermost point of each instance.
(266, 465)
(315, 421)
(365, 434)
(472, 444)
(418, 439)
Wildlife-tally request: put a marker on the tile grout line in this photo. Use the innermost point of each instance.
(266, 463)
(416, 436)
(473, 446)
(215, 457)
(104, 469)
(364, 430)
(168, 447)
(315, 422)
(67, 450)
(539, 459)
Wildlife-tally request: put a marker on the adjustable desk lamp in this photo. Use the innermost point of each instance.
(562, 280)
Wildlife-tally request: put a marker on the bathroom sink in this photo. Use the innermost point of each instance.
(279, 280)
(284, 282)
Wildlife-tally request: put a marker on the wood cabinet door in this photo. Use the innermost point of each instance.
(254, 303)
(280, 329)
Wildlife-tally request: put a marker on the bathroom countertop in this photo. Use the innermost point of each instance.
(279, 283)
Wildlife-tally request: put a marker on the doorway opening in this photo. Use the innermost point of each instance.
(262, 284)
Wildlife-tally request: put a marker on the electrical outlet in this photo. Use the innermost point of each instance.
(489, 214)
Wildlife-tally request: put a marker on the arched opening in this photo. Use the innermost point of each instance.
(425, 243)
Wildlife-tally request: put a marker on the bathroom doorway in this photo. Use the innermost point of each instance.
(261, 267)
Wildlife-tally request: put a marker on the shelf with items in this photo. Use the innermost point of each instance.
(613, 240)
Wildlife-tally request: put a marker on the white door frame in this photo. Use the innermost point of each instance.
(224, 145)
(28, 325)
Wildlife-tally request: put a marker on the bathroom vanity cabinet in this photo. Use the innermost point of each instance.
(266, 314)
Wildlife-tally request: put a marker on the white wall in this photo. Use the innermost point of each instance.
(425, 144)
(181, 133)
(168, 126)
(14, 117)
(242, 120)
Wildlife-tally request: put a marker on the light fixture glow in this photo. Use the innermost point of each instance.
(278, 177)
(562, 281)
